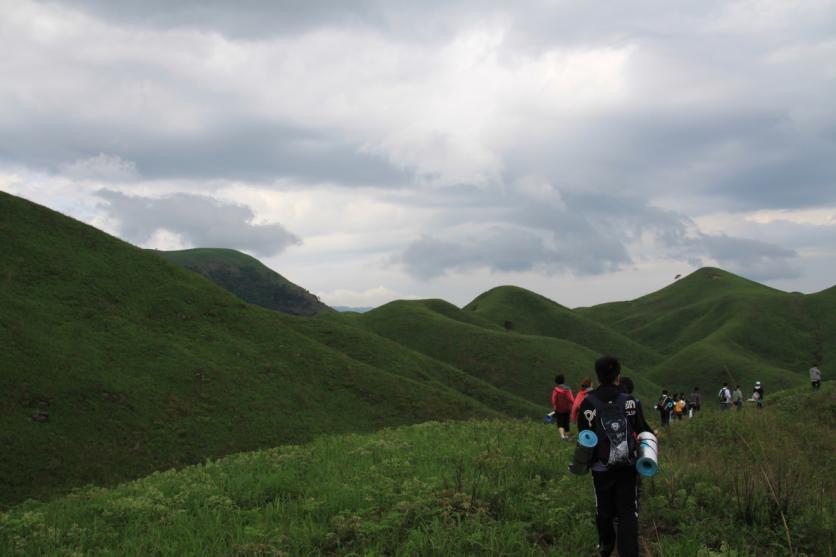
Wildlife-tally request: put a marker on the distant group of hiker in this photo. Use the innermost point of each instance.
(615, 441)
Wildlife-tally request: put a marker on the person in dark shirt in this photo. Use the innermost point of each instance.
(664, 406)
(626, 386)
(616, 489)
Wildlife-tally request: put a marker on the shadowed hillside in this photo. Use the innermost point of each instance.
(249, 279)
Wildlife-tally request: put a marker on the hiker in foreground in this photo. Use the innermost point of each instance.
(612, 415)
(562, 401)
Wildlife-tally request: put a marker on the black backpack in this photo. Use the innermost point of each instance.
(612, 424)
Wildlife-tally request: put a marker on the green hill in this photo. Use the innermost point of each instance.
(116, 362)
(528, 313)
(524, 365)
(714, 326)
(753, 483)
(249, 279)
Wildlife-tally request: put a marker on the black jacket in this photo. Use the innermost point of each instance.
(608, 393)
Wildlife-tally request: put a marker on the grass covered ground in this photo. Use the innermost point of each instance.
(713, 326)
(754, 483)
(526, 312)
(517, 363)
(137, 365)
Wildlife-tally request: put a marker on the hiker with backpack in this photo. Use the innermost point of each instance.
(679, 406)
(725, 397)
(613, 416)
(586, 386)
(562, 401)
(664, 406)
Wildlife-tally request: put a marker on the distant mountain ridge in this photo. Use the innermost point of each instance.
(249, 279)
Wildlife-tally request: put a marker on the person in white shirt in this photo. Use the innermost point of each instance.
(815, 377)
(725, 397)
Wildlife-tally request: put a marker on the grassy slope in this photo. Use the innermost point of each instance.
(524, 365)
(714, 326)
(525, 312)
(143, 365)
(249, 279)
(477, 488)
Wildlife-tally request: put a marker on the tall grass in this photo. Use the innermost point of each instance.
(464, 488)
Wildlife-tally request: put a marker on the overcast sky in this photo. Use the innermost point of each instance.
(384, 149)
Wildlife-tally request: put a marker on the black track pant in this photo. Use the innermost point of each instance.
(617, 497)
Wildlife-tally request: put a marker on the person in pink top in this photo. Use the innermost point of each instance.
(586, 386)
(562, 401)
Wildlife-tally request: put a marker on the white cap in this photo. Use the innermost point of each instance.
(757, 383)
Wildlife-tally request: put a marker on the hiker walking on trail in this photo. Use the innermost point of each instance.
(696, 401)
(586, 386)
(613, 416)
(626, 386)
(737, 398)
(664, 406)
(725, 397)
(562, 401)
(815, 377)
(679, 406)
(757, 394)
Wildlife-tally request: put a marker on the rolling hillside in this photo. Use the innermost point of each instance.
(116, 362)
(524, 365)
(249, 279)
(529, 313)
(714, 326)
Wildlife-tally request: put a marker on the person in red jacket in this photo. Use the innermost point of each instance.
(586, 386)
(562, 401)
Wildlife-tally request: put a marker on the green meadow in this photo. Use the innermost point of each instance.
(749, 483)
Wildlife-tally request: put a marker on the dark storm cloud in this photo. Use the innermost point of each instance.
(245, 18)
(200, 220)
(236, 150)
(506, 249)
(587, 234)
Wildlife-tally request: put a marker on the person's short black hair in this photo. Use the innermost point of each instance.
(607, 369)
(725, 384)
(559, 379)
(664, 391)
(627, 385)
(696, 388)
